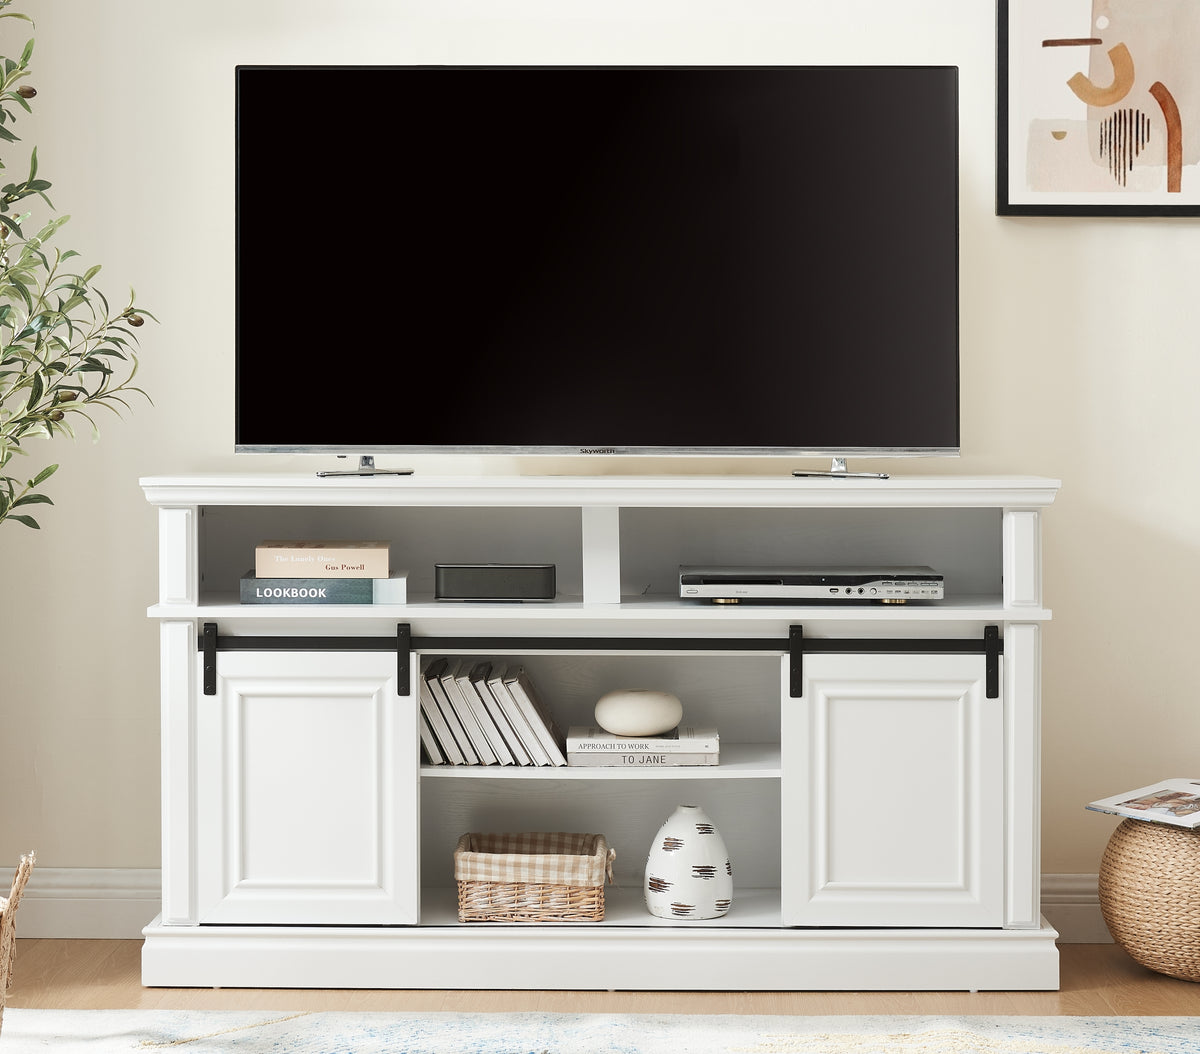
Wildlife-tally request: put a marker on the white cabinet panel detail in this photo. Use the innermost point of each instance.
(305, 815)
(893, 764)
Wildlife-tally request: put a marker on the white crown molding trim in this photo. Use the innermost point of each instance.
(98, 903)
(102, 903)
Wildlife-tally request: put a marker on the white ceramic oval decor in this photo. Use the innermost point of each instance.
(638, 712)
(688, 872)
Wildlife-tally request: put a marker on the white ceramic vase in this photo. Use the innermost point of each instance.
(688, 872)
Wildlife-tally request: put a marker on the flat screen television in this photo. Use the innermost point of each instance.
(597, 260)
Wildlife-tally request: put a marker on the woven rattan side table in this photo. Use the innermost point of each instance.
(1150, 895)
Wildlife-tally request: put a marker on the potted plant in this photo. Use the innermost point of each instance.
(63, 350)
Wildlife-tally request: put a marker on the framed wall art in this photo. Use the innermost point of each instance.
(1098, 108)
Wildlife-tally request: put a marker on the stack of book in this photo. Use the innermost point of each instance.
(479, 713)
(683, 745)
(323, 572)
(1175, 802)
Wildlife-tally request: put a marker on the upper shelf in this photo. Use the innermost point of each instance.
(650, 612)
(613, 539)
(1026, 492)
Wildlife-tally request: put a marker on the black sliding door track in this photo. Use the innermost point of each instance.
(796, 646)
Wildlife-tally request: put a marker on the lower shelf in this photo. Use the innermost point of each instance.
(588, 956)
(752, 909)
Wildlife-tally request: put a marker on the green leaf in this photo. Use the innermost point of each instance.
(35, 325)
(32, 499)
(19, 287)
(42, 476)
(47, 232)
(29, 521)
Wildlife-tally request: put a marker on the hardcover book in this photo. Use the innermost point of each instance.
(432, 712)
(466, 729)
(537, 713)
(530, 743)
(470, 712)
(321, 559)
(1173, 801)
(433, 752)
(255, 589)
(513, 747)
(683, 739)
(620, 759)
(431, 681)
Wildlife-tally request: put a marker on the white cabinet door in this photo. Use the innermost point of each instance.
(307, 796)
(893, 793)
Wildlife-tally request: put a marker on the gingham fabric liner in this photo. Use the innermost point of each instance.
(552, 858)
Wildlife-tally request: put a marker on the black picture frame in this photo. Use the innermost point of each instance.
(1143, 114)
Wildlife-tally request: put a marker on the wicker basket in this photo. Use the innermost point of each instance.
(1150, 895)
(8, 935)
(541, 877)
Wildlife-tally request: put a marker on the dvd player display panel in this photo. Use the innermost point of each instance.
(891, 584)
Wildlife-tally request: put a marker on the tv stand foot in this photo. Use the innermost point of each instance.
(366, 467)
(837, 470)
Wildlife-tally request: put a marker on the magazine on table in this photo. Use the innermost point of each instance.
(1173, 801)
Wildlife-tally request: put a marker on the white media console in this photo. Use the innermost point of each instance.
(879, 780)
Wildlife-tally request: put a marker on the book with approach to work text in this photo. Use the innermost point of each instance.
(321, 559)
(593, 747)
(1173, 801)
(685, 739)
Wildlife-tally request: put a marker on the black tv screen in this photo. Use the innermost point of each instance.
(712, 260)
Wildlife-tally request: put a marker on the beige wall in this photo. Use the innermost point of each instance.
(1079, 351)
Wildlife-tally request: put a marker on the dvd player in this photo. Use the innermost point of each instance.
(889, 585)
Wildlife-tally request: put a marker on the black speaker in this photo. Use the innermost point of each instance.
(493, 581)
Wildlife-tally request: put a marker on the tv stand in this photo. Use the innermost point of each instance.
(837, 470)
(878, 786)
(366, 467)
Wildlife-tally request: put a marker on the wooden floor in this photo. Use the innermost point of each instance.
(1097, 979)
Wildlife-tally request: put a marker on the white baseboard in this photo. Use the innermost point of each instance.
(103, 903)
(1071, 904)
(115, 903)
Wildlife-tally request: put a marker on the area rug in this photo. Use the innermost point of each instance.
(238, 1032)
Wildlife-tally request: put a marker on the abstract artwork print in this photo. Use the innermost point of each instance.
(1099, 107)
